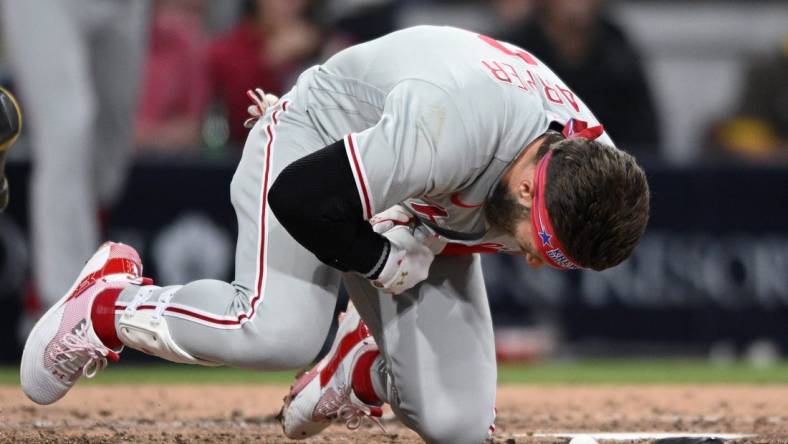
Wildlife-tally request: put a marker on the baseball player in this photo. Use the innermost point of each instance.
(77, 65)
(460, 144)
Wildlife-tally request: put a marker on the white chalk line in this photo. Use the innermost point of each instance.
(635, 436)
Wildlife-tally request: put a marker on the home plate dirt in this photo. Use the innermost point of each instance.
(245, 413)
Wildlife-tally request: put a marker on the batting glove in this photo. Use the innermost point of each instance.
(386, 220)
(407, 264)
(260, 102)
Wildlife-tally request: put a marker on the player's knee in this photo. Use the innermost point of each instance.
(459, 416)
(454, 423)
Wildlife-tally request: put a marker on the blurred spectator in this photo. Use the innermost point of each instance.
(77, 64)
(595, 58)
(759, 130)
(266, 49)
(175, 86)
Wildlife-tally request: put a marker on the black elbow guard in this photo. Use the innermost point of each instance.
(316, 200)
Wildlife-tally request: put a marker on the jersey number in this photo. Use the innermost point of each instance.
(525, 56)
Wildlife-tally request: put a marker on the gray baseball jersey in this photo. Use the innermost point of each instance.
(457, 109)
(431, 117)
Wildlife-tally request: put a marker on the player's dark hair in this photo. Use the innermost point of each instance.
(598, 200)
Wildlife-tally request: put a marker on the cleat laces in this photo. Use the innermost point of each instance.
(352, 412)
(75, 353)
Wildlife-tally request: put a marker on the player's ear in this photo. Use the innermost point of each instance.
(525, 186)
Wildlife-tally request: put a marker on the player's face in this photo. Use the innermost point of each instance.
(504, 211)
(509, 207)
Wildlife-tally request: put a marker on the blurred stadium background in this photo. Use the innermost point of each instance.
(697, 90)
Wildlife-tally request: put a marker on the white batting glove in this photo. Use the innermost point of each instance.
(407, 264)
(398, 215)
(388, 219)
(260, 102)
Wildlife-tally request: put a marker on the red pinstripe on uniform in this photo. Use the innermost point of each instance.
(360, 176)
(241, 318)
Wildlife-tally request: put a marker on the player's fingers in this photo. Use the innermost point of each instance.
(249, 123)
(382, 226)
(270, 99)
(254, 111)
(252, 96)
(256, 100)
(421, 234)
(260, 103)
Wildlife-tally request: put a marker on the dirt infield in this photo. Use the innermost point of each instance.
(245, 413)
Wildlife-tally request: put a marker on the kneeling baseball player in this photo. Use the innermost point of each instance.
(387, 168)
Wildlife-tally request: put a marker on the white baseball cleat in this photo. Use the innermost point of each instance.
(63, 344)
(324, 393)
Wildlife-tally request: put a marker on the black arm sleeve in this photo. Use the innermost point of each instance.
(316, 200)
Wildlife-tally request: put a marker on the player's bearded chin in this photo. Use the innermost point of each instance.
(503, 211)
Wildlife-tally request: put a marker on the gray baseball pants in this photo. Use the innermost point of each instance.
(77, 63)
(436, 339)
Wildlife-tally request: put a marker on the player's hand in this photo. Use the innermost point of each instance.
(408, 262)
(388, 219)
(260, 103)
(398, 215)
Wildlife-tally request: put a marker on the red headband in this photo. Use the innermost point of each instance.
(546, 241)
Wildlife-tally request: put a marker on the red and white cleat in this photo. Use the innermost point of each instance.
(63, 344)
(324, 393)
